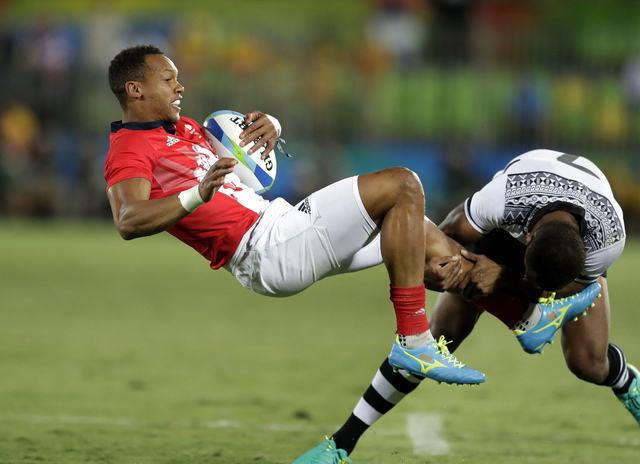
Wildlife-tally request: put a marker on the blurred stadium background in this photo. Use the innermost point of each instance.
(449, 88)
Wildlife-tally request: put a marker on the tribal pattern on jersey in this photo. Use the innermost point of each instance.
(527, 193)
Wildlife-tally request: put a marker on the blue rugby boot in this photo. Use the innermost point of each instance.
(554, 315)
(435, 362)
(631, 399)
(325, 453)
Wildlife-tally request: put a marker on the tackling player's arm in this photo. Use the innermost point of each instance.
(457, 226)
(135, 215)
(486, 276)
(450, 267)
(480, 274)
(443, 264)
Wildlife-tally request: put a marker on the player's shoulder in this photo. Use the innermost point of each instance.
(567, 164)
(539, 156)
(133, 141)
(552, 161)
(128, 140)
(134, 131)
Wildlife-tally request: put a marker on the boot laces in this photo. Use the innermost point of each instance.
(444, 351)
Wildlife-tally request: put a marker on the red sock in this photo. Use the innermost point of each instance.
(410, 303)
(506, 307)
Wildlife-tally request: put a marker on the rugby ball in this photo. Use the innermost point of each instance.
(223, 129)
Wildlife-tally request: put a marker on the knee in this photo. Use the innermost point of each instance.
(407, 183)
(588, 366)
(383, 190)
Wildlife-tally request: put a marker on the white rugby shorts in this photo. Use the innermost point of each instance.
(291, 247)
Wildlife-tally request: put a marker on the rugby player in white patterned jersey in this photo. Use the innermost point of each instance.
(528, 219)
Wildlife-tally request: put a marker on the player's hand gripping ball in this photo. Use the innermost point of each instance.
(223, 129)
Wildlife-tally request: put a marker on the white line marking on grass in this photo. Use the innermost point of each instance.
(222, 424)
(633, 442)
(425, 433)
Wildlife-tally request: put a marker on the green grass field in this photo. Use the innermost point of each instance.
(136, 352)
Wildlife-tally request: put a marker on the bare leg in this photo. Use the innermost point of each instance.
(592, 358)
(394, 200)
(585, 342)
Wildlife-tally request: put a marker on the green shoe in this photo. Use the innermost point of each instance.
(325, 453)
(631, 399)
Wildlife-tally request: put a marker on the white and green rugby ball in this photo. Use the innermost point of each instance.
(223, 129)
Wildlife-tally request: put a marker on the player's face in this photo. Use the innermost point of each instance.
(531, 277)
(161, 90)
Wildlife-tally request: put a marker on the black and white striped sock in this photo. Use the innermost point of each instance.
(618, 378)
(387, 389)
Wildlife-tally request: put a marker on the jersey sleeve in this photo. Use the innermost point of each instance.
(485, 208)
(598, 262)
(127, 159)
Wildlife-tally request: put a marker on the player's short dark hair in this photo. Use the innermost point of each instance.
(129, 65)
(555, 256)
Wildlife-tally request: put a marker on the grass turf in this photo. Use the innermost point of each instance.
(136, 352)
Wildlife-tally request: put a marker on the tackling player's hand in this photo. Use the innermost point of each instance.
(443, 272)
(214, 178)
(481, 279)
(260, 127)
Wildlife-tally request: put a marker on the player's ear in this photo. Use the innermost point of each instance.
(133, 89)
(529, 238)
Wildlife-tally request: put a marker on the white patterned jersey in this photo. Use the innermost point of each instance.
(541, 181)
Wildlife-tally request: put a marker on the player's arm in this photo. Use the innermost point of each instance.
(450, 267)
(480, 274)
(135, 215)
(443, 263)
(457, 226)
(486, 276)
(263, 127)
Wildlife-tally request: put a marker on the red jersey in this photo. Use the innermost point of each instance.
(175, 158)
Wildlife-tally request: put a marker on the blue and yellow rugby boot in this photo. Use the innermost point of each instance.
(554, 315)
(435, 362)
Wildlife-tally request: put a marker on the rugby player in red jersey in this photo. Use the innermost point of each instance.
(163, 175)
